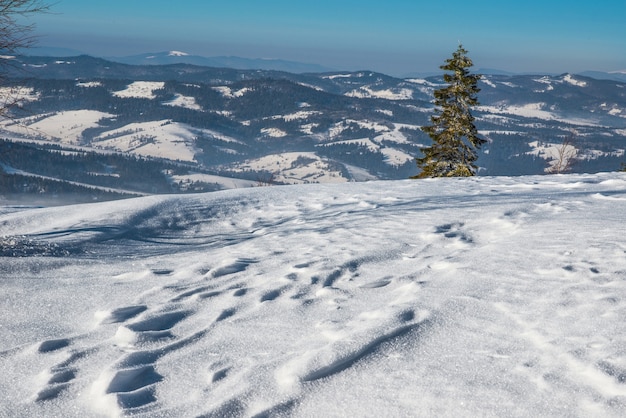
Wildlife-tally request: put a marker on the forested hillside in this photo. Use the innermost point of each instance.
(179, 128)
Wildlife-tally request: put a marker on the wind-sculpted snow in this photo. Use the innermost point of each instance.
(452, 297)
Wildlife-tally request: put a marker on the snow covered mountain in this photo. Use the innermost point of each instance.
(489, 296)
(213, 125)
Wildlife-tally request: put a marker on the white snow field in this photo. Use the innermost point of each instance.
(489, 296)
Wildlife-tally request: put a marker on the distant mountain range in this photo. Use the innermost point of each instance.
(136, 129)
(179, 57)
(240, 63)
(614, 75)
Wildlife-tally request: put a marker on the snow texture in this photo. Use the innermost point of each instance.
(449, 297)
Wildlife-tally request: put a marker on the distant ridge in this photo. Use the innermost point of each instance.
(181, 57)
(238, 63)
(295, 67)
(613, 75)
(51, 51)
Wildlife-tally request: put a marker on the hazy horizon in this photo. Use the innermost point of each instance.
(397, 37)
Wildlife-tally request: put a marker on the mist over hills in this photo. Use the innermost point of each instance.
(242, 63)
(600, 75)
(208, 128)
(180, 57)
(177, 57)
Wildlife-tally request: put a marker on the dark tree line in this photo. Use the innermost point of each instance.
(104, 170)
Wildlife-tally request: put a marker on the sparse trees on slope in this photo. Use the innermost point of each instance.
(455, 138)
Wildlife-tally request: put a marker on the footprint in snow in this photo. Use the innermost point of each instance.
(161, 322)
(240, 292)
(271, 295)
(220, 375)
(134, 388)
(53, 345)
(190, 293)
(132, 380)
(454, 231)
(162, 272)
(226, 313)
(149, 330)
(208, 295)
(58, 378)
(376, 284)
(122, 314)
(236, 267)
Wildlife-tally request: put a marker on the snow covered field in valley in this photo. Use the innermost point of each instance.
(489, 296)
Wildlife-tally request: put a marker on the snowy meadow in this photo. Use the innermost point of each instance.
(488, 296)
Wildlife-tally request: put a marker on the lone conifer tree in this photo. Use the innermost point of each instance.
(455, 138)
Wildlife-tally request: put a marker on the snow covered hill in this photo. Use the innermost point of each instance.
(328, 126)
(489, 296)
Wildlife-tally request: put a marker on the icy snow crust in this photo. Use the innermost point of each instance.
(455, 297)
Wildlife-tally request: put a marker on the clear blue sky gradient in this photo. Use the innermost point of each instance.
(392, 36)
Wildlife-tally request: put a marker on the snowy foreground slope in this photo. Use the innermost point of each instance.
(475, 297)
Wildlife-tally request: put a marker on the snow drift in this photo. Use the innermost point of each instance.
(457, 297)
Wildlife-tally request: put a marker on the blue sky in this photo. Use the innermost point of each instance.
(392, 36)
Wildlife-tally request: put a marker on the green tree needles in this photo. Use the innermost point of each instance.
(455, 138)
